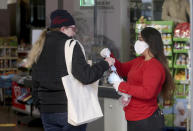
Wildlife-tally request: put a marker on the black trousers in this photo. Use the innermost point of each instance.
(153, 123)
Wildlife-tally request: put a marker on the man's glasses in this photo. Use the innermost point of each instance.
(73, 28)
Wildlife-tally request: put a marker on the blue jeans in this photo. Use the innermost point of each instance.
(58, 122)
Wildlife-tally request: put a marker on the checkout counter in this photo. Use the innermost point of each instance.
(114, 118)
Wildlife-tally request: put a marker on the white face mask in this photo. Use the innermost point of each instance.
(140, 46)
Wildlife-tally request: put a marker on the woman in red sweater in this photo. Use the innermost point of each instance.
(147, 76)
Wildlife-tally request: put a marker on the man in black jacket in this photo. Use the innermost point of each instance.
(48, 66)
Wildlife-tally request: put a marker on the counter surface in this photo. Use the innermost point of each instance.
(103, 91)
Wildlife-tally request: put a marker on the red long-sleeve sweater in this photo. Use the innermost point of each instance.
(144, 83)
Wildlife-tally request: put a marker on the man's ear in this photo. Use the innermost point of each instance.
(62, 29)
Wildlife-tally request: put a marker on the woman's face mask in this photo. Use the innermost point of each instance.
(140, 46)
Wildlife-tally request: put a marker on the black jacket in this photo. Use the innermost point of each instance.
(48, 91)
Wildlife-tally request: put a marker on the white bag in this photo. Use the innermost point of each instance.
(83, 103)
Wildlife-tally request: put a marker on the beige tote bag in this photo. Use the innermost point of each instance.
(83, 103)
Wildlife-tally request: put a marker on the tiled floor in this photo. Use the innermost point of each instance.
(8, 116)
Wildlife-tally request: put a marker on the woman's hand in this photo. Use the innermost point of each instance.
(105, 53)
(115, 80)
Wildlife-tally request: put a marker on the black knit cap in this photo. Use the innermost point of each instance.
(61, 18)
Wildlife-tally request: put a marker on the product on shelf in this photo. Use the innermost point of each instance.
(180, 76)
(142, 23)
(182, 60)
(8, 41)
(169, 62)
(168, 115)
(181, 90)
(180, 112)
(141, 26)
(8, 55)
(166, 38)
(182, 30)
(160, 27)
(167, 50)
(181, 46)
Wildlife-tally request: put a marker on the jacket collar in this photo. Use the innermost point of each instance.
(59, 34)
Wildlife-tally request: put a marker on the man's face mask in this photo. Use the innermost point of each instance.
(140, 46)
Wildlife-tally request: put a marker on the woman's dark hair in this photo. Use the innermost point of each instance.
(153, 38)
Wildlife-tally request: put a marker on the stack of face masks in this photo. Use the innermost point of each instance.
(125, 98)
(113, 78)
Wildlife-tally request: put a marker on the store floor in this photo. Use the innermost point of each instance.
(9, 121)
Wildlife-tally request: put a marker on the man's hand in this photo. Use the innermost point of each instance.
(110, 61)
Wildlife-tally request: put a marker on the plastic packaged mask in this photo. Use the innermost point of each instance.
(140, 46)
(113, 78)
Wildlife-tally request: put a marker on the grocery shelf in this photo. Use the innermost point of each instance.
(180, 51)
(181, 39)
(10, 58)
(180, 66)
(170, 54)
(168, 29)
(169, 43)
(182, 81)
(7, 69)
(2, 47)
(170, 66)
